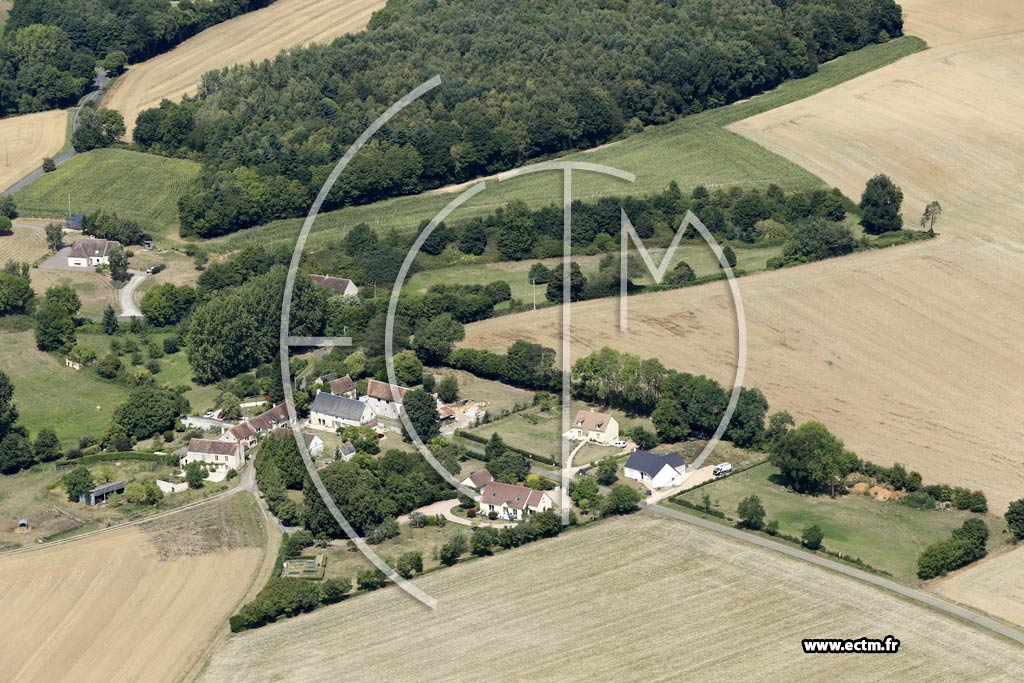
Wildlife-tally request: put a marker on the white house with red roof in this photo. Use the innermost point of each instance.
(381, 398)
(513, 502)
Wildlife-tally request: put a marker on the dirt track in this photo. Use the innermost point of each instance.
(251, 37)
(26, 139)
(912, 354)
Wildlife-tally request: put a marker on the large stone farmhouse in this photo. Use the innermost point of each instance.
(216, 455)
(330, 412)
(655, 471)
(380, 397)
(600, 428)
(512, 502)
(89, 252)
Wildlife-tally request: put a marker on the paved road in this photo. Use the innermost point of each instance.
(100, 83)
(904, 591)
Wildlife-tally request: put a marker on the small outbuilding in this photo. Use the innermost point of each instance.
(101, 492)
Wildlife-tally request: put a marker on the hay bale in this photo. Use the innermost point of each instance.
(860, 487)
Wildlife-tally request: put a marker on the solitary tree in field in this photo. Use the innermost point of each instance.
(1015, 518)
(109, 320)
(812, 537)
(49, 166)
(930, 216)
(751, 513)
(880, 205)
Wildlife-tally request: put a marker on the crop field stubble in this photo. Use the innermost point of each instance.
(254, 36)
(26, 139)
(910, 354)
(109, 607)
(560, 597)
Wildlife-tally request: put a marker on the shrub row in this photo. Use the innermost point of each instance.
(526, 454)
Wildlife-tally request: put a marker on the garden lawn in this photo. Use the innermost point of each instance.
(48, 394)
(144, 187)
(888, 536)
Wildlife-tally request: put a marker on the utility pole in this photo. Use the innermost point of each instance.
(534, 283)
(69, 206)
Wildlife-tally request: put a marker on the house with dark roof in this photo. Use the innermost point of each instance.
(509, 501)
(330, 412)
(248, 432)
(216, 455)
(89, 252)
(655, 471)
(381, 397)
(340, 285)
(600, 428)
(346, 451)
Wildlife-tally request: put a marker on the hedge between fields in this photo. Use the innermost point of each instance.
(526, 454)
(165, 459)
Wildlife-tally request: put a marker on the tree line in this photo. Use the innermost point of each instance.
(521, 80)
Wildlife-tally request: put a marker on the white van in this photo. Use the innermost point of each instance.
(722, 470)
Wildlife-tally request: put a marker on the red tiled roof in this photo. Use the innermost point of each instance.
(590, 421)
(384, 391)
(211, 446)
(342, 385)
(481, 478)
(338, 284)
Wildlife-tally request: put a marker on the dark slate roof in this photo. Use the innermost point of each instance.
(338, 406)
(108, 488)
(651, 463)
(348, 449)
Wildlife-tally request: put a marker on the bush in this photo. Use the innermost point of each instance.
(417, 520)
(48, 165)
(453, 549)
(334, 590)
(919, 500)
(751, 513)
(371, 579)
(385, 530)
(811, 537)
(471, 513)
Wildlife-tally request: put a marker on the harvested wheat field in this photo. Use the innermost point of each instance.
(911, 354)
(254, 36)
(994, 585)
(129, 604)
(25, 140)
(537, 612)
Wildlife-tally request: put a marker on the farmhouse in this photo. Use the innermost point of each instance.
(248, 432)
(597, 427)
(343, 386)
(478, 480)
(330, 412)
(101, 492)
(513, 502)
(380, 396)
(656, 471)
(89, 252)
(216, 455)
(338, 284)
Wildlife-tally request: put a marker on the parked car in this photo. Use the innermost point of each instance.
(722, 469)
(619, 444)
(149, 271)
(208, 415)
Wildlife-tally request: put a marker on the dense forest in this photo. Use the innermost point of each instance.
(522, 79)
(50, 48)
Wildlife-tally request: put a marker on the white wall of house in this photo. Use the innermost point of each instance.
(510, 513)
(606, 437)
(330, 423)
(216, 461)
(385, 409)
(665, 478)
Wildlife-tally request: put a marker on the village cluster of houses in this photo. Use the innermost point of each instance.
(334, 407)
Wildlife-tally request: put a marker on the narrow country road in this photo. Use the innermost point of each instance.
(914, 594)
(99, 84)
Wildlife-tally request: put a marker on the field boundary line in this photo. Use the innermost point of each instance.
(918, 596)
